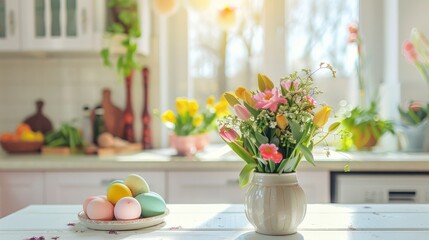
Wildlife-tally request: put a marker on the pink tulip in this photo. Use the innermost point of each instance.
(289, 84)
(228, 134)
(242, 112)
(269, 99)
(410, 51)
(311, 101)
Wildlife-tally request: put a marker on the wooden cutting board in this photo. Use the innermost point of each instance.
(38, 121)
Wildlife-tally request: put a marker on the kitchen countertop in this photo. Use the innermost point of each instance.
(228, 221)
(215, 158)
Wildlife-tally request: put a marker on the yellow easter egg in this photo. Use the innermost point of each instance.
(116, 191)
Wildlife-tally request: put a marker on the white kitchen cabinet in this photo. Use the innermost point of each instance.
(75, 187)
(316, 185)
(204, 187)
(20, 189)
(9, 25)
(51, 25)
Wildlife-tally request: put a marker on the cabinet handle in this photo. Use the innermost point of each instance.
(84, 20)
(106, 182)
(12, 22)
(232, 182)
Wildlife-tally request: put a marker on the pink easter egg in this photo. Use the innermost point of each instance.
(89, 199)
(127, 208)
(99, 209)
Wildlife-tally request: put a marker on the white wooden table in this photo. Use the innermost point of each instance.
(224, 221)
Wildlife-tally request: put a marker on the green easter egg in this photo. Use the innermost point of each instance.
(152, 204)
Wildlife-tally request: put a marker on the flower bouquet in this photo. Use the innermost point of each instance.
(189, 121)
(274, 127)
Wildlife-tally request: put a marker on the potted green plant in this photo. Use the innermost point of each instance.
(413, 128)
(362, 128)
(124, 27)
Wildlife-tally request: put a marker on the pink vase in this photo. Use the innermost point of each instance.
(201, 141)
(184, 145)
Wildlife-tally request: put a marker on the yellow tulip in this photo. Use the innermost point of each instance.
(221, 108)
(245, 95)
(197, 121)
(169, 116)
(210, 101)
(193, 107)
(282, 121)
(264, 83)
(181, 106)
(322, 116)
(230, 98)
(240, 91)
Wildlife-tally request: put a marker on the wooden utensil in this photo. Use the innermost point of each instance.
(38, 121)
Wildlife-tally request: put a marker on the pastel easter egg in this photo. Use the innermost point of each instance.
(152, 204)
(137, 184)
(128, 208)
(99, 209)
(117, 191)
(87, 200)
(117, 181)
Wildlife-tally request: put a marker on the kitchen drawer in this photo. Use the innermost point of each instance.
(204, 187)
(20, 189)
(75, 187)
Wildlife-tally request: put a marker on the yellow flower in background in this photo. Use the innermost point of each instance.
(198, 120)
(322, 116)
(193, 107)
(191, 119)
(169, 117)
(221, 108)
(181, 106)
(210, 101)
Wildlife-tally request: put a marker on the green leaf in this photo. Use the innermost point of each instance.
(261, 139)
(307, 153)
(334, 126)
(296, 130)
(287, 165)
(241, 152)
(252, 111)
(245, 174)
(272, 166)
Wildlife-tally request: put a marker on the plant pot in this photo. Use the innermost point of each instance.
(275, 204)
(364, 138)
(184, 145)
(201, 141)
(188, 145)
(414, 138)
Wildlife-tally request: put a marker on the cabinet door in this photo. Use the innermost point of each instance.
(316, 185)
(20, 189)
(9, 25)
(75, 187)
(57, 25)
(204, 187)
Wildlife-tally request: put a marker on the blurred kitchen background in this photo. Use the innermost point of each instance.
(191, 53)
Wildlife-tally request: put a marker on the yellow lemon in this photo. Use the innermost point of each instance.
(116, 191)
(28, 136)
(38, 136)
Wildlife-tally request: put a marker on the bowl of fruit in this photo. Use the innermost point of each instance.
(128, 204)
(23, 140)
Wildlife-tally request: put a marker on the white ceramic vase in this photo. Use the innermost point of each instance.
(275, 204)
